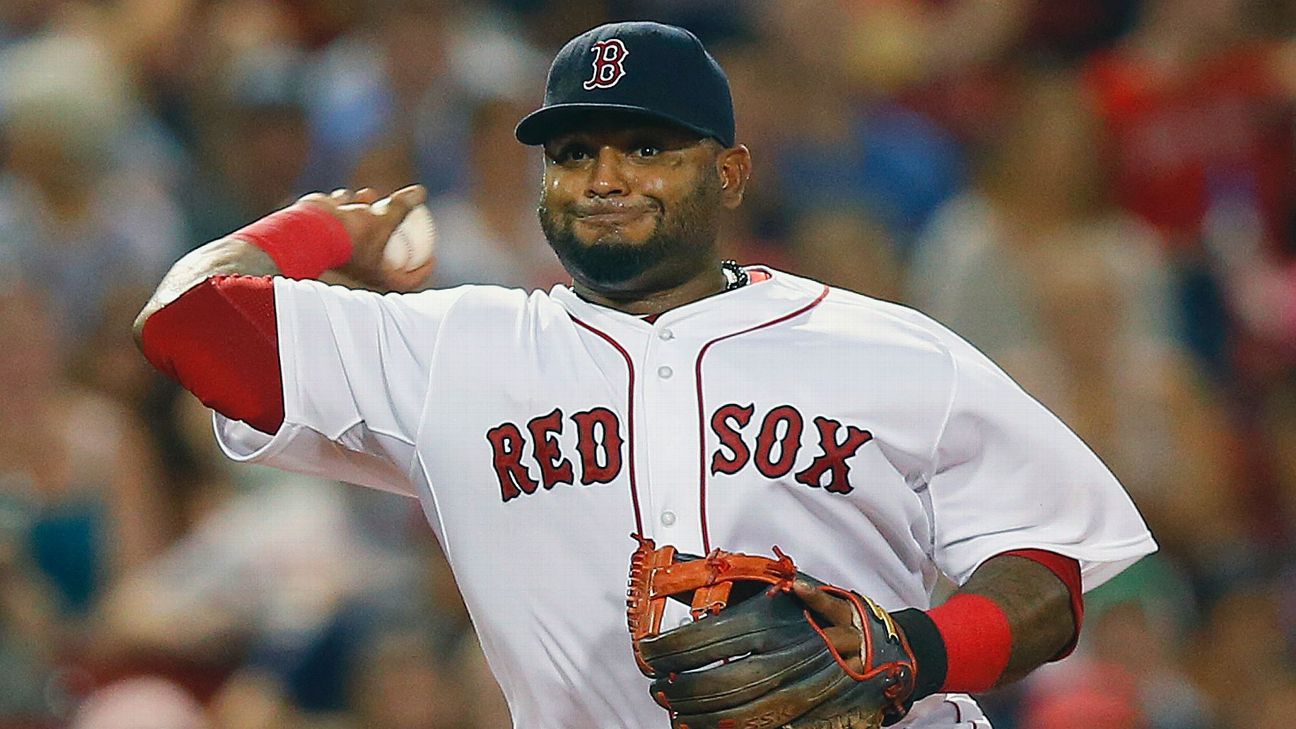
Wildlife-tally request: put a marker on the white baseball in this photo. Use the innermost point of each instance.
(412, 243)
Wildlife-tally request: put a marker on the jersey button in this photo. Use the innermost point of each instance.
(666, 335)
(668, 518)
(665, 372)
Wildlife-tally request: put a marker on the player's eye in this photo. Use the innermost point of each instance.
(570, 153)
(647, 150)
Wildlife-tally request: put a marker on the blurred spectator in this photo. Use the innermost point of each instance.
(1196, 109)
(713, 21)
(76, 462)
(843, 146)
(404, 684)
(490, 234)
(28, 622)
(847, 248)
(1084, 694)
(258, 145)
(1241, 658)
(1276, 707)
(389, 78)
(1038, 188)
(252, 699)
(21, 17)
(284, 576)
(407, 79)
(75, 218)
(140, 703)
(489, 708)
(1278, 424)
(1140, 627)
(1260, 284)
(1039, 191)
(290, 541)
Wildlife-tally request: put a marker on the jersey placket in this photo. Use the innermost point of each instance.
(669, 438)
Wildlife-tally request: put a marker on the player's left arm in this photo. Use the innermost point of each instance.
(1018, 611)
(1040, 620)
(1025, 518)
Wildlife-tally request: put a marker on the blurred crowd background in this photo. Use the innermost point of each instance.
(1097, 193)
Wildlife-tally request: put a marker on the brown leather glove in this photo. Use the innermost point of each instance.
(769, 646)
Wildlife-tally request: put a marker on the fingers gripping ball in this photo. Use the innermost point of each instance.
(412, 244)
(757, 655)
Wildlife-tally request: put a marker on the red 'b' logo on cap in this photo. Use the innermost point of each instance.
(609, 64)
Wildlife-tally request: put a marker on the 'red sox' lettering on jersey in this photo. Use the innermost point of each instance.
(832, 460)
(518, 456)
(598, 444)
(778, 442)
(598, 431)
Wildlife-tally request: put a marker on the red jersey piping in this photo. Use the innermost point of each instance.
(630, 439)
(702, 470)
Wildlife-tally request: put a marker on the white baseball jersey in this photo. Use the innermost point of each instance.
(539, 431)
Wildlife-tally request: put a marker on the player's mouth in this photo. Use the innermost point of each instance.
(613, 215)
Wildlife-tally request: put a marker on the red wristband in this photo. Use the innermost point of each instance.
(978, 641)
(304, 240)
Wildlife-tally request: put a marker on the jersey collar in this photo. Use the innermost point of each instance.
(715, 316)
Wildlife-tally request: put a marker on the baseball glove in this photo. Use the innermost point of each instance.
(769, 646)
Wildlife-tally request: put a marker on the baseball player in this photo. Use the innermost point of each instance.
(711, 411)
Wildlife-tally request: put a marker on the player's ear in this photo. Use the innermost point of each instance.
(734, 167)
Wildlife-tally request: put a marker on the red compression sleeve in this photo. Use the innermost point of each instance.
(1067, 570)
(220, 341)
(304, 240)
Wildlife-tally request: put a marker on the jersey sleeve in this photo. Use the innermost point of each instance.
(355, 368)
(1009, 475)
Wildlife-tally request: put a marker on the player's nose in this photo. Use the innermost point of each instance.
(607, 174)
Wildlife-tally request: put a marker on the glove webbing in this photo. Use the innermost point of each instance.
(655, 576)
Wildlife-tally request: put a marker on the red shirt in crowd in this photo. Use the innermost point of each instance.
(1177, 142)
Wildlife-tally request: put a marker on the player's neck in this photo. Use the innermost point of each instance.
(708, 282)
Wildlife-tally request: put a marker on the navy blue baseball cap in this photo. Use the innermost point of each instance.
(659, 71)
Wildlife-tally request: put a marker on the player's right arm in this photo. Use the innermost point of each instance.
(360, 258)
(306, 376)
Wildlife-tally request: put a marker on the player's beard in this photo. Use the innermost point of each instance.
(683, 239)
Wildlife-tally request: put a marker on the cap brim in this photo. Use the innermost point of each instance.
(543, 124)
